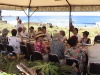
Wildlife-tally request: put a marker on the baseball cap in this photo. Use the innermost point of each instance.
(97, 39)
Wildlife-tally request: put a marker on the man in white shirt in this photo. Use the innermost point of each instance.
(19, 24)
(14, 41)
(75, 32)
(94, 51)
(47, 35)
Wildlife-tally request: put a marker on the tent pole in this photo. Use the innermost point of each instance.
(28, 18)
(69, 15)
(70, 20)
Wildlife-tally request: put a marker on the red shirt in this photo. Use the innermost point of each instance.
(39, 46)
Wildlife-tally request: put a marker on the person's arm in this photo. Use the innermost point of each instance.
(89, 41)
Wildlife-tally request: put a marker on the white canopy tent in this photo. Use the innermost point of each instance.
(51, 5)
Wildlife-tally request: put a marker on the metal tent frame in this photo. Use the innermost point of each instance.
(29, 15)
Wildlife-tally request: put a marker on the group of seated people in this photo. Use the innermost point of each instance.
(57, 43)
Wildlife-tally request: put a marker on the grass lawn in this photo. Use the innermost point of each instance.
(92, 30)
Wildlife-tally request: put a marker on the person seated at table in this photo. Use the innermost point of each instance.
(64, 38)
(19, 32)
(85, 39)
(93, 52)
(14, 41)
(23, 32)
(73, 51)
(75, 33)
(56, 46)
(4, 38)
(31, 33)
(39, 45)
(47, 35)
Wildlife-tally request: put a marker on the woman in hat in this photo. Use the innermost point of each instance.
(56, 46)
(39, 45)
(85, 39)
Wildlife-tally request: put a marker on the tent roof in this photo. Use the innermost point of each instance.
(51, 5)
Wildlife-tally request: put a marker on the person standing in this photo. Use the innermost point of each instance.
(19, 24)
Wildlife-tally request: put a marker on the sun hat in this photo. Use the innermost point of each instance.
(97, 39)
(5, 31)
(56, 36)
(40, 34)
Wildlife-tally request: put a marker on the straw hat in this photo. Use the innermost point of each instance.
(40, 34)
(57, 36)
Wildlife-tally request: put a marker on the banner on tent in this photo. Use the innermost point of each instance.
(67, 8)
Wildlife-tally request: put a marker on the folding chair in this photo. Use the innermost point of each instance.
(1, 47)
(53, 58)
(71, 61)
(10, 48)
(94, 68)
(29, 47)
(24, 49)
(75, 62)
(36, 56)
(10, 51)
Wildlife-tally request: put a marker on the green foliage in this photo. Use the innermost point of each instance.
(8, 66)
(50, 68)
(4, 73)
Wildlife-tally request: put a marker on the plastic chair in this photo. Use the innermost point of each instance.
(53, 58)
(30, 48)
(94, 68)
(71, 61)
(1, 47)
(24, 49)
(36, 56)
(10, 48)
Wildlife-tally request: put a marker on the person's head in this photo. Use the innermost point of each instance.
(17, 18)
(97, 39)
(75, 31)
(31, 29)
(19, 29)
(39, 29)
(62, 33)
(14, 32)
(44, 29)
(40, 36)
(24, 29)
(57, 36)
(85, 34)
(5, 32)
(72, 41)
